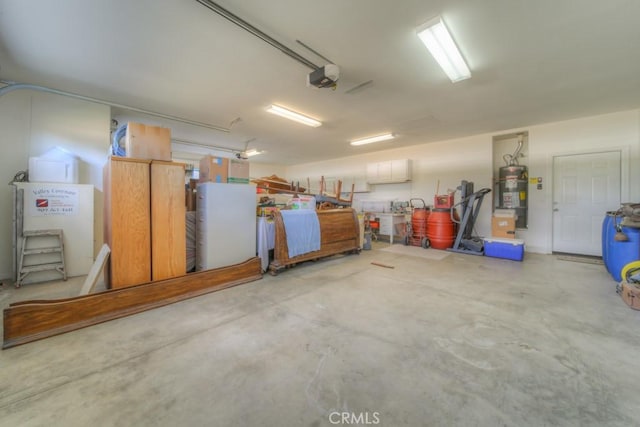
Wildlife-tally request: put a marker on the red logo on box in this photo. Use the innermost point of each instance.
(42, 203)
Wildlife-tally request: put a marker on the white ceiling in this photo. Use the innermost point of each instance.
(531, 62)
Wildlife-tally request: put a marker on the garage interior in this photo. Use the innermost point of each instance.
(221, 265)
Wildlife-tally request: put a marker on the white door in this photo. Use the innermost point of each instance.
(585, 187)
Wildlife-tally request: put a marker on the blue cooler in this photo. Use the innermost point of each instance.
(504, 248)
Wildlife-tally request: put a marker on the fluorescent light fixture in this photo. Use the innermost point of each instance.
(292, 115)
(252, 152)
(435, 36)
(371, 139)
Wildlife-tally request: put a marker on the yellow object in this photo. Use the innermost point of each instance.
(632, 267)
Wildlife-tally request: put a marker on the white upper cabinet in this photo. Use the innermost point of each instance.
(392, 171)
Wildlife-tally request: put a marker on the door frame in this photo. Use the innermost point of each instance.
(624, 178)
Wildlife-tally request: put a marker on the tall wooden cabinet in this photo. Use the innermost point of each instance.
(168, 223)
(144, 220)
(127, 219)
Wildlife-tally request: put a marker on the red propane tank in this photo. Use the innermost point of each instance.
(441, 230)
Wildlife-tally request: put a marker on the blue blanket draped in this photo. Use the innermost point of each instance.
(303, 231)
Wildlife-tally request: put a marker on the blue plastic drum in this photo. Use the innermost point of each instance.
(608, 231)
(607, 228)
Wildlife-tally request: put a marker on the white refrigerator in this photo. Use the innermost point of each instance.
(225, 224)
(43, 206)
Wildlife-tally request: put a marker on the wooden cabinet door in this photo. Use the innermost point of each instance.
(127, 219)
(168, 229)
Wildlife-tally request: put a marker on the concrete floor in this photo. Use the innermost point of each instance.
(457, 342)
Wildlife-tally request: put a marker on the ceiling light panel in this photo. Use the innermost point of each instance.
(436, 38)
(252, 152)
(295, 116)
(372, 139)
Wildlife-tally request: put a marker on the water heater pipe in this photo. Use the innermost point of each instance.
(512, 159)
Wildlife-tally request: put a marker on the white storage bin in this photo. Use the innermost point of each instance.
(56, 165)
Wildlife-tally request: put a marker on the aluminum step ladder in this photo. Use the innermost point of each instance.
(52, 263)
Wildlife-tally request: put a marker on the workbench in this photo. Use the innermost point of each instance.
(391, 225)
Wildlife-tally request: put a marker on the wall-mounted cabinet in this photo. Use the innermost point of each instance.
(360, 184)
(392, 171)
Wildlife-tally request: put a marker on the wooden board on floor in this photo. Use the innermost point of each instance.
(28, 321)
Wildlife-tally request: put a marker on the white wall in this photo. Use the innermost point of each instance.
(187, 152)
(14, 142)
(260, 170)
(32, 123)
(616, 131)
(471, 159)
(436, 167)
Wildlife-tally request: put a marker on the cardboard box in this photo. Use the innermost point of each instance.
(238, 172)
(213, 169)
(303, 202)
(504, 248)
(505, 213)
(235, 180)
(503, 227)
(148, 142)
(503, 223)
(191, 195)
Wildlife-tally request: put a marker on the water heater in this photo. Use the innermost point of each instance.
(513, 191)
(514, 186)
